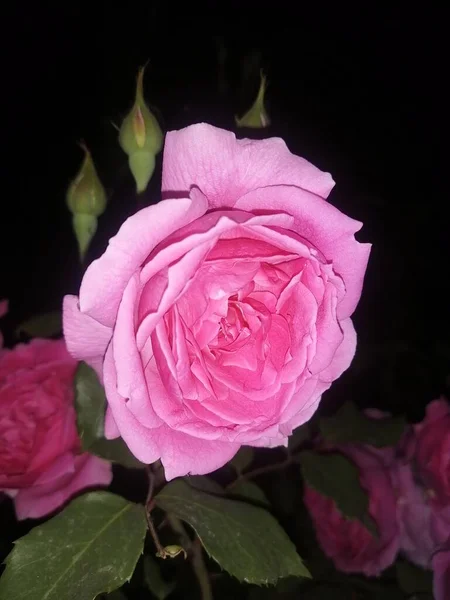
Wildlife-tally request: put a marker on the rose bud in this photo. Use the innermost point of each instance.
(256, 117)
(141, 138)
(86, 199)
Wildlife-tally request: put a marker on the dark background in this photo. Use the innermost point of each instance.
(357, 90)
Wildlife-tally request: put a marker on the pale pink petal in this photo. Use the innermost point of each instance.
(225, 168)
(106, 278)
(329, 333)
(183, 454)
(140, 440)
(303, 405)
(87, 472)
(111, 430)
(344, 354)
(130, 377)
(86, 339)
(323, 226)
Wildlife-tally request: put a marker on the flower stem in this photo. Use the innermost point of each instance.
(196, 556)
(148, 510)
(261, 471)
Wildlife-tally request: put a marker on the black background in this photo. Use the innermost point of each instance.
(357, 90)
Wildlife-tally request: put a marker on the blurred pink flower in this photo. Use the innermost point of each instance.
(431, 443)
(441, 571)
(40, 463)
(348, 543)
(423, 526)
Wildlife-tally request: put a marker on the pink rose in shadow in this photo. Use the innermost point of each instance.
(219, 316)
(352, 548)
(432, 451)
(423, 526)
(40, 464)
(441, 573)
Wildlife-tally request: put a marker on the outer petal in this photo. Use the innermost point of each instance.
(323, 226)
(141, 441)
(86, 338)
(130, 380)
(225, 168)
(43, 498)
(106, 278)
(182, 454)
(343, 356)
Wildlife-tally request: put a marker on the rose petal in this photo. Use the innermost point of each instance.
(183, 454)
(323, 226)
(140, 440)
(225, 168)
(86, 338)
(44, 497)
(106, 278)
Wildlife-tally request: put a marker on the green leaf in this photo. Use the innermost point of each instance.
(299, 436)
(244, 539)
(90, 548)
(335, 476)
(90, 403)
(116, 451)
(247, 490)
(154, 581)
(243, 459)
(44, 326)
(205, 484)
(350, 426)
(413, 579)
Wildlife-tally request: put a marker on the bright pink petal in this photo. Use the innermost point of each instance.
(323, 226)
(106, 278)
(86, 339)
(225, 168)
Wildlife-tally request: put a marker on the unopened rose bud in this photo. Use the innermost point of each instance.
(142, 165)
(86, 199)
(140, 137)
(256, 117)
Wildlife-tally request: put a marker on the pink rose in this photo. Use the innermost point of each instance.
(432, 451)
(219, 316)
(423, 526)
(352, 548)
(441, 571)
(40, 464)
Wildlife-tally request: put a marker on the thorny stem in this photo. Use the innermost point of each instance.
(261, 471)
(148, 509)
(196, 556)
